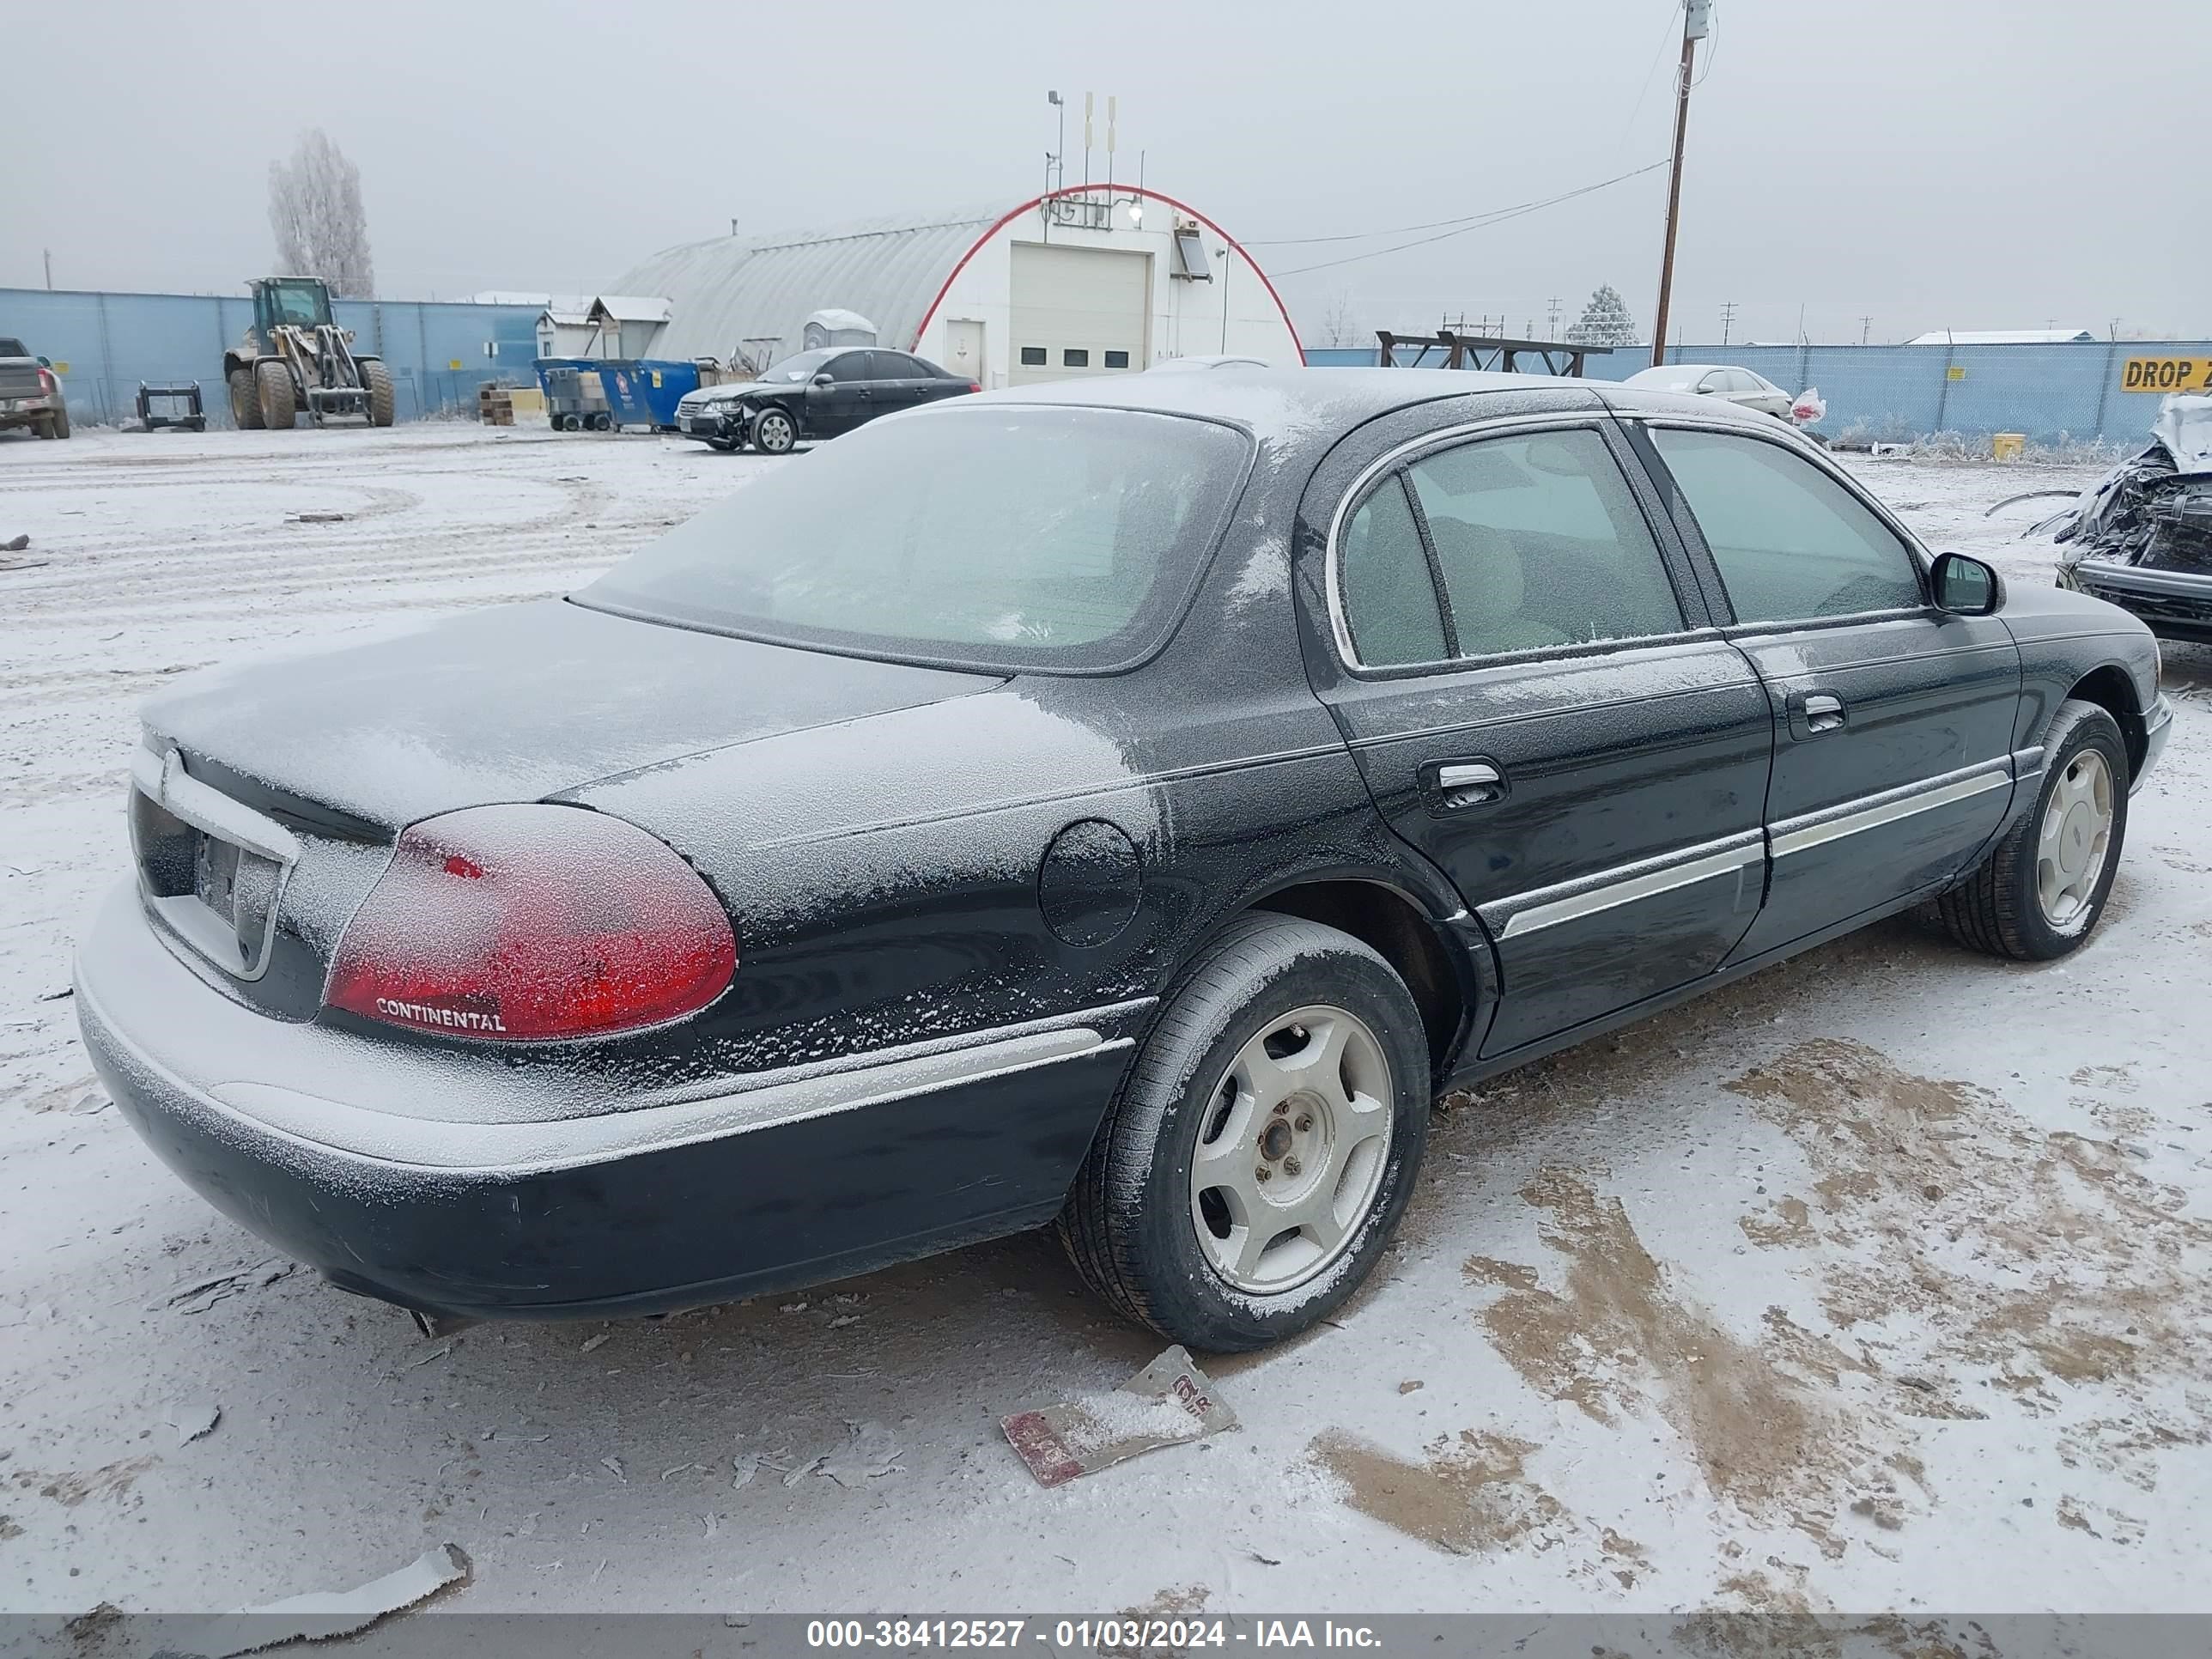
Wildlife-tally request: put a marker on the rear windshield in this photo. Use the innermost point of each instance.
(1016, 536)
(11, 347)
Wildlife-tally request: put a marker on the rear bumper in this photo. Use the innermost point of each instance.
(24, 411)
(2175, 604)
(450, 1182)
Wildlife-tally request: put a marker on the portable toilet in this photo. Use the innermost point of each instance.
(836, 327)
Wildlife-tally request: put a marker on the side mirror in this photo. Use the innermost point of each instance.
(824, 380)
(1966, 587)
(45, 363)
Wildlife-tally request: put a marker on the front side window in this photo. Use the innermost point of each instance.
(1022, 537)
(1539, 542)
(1791, 542)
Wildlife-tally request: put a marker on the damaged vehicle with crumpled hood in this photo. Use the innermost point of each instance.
(2141, 537)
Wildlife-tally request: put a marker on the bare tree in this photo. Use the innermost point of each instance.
(1340, 324)
(314, 208)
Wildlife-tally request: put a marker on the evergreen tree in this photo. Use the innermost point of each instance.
(1605, 321)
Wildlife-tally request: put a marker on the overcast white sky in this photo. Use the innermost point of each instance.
(1927, 163)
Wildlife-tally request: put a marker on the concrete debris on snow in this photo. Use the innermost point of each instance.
(1166, 1404)
(322, 1615)
(192, 1421)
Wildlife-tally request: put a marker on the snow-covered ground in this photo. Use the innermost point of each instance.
(1879, 1280)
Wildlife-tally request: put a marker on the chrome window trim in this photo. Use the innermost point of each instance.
(1605, 890)
(1853, 817)
(1591, 419)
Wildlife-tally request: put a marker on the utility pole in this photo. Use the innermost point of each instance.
(49, 252)
(1697, 23)
(1728, 318)
(1555, 317)
(1865, 327)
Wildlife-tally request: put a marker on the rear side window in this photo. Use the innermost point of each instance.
(1792, 545)
(1024, 538)
(1540, 543)
(1390, 597)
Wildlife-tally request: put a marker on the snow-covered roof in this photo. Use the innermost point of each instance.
(732, 290)
(510, 296)
(565, 313)
(2002, 336)
(633, 307)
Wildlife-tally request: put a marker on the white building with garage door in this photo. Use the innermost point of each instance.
(1093, 279)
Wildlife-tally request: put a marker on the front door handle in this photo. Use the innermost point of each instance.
(1824, 711)
(1466, 783)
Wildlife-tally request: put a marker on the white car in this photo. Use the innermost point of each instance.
(1721, 380)
(1217, 361)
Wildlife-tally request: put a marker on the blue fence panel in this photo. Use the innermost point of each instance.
(1891, 393)
(102, 344)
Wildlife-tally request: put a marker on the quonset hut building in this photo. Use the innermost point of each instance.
(1091, 279)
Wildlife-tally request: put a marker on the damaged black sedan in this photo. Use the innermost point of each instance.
(2141, 537)
(1121, 806)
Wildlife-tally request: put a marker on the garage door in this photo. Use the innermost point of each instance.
(1077, 311)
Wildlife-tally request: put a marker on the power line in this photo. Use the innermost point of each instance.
(1473, 222)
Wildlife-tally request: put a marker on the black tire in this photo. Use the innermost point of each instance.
(43, 428)
(58, 425)
(1998, 908)
(1130, 1223)
(244, 400)
(272, 384)
(775, 431)
(378, 379)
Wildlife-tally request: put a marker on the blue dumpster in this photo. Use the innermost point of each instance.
(639, 391)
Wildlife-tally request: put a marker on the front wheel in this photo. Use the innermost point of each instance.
(377, 379)
(272, 382)
(775, 433)
(1253, 1166)
(2042, 889)
(244, 400)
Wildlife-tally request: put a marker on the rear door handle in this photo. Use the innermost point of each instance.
(1457, 784)
(1823, 711)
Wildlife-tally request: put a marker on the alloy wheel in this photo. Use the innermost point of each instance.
(1292, 1152)
(2073, 841)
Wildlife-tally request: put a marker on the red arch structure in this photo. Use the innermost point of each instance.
(1035, 202)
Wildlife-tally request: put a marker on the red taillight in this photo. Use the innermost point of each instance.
(511, 923)
(974, 385)
(47, 383)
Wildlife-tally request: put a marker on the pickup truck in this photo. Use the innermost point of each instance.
(30, 392)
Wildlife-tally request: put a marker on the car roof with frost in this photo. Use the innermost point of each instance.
(1284, 403)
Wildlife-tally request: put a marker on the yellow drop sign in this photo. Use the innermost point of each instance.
(2166, 374)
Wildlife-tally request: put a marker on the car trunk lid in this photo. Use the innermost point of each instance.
(508, 704)
(265, 799)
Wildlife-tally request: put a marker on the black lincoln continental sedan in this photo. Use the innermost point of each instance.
(1121, 805)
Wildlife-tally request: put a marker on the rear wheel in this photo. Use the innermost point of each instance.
(775, 433)
(60, 423)
(378, 379)
(2042, 889)
(272, 383)
(1264, 1144)
(244, 400)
